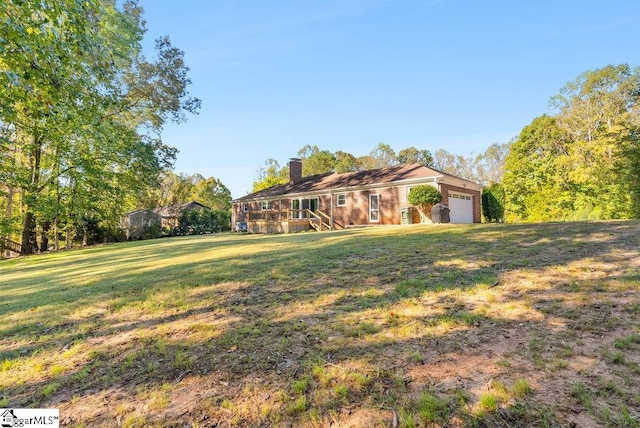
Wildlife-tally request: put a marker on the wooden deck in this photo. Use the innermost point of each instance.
(288, 221)
(7, 245)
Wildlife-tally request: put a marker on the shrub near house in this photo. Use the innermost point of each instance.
(199, 221)
(185, 219)
(424, 197)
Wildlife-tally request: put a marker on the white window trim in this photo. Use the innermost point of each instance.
(377, 195)
(265, 205)
(298, 214)
(344, 202)
(295, 212)
(245, 207)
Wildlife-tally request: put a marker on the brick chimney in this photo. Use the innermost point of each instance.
(295, 170)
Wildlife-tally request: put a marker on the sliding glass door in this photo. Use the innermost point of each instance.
(300, 205)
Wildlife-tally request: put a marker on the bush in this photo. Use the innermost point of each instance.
(424, 195)
(197, 222)
(152, 231)
(91, 230)
(493, 203)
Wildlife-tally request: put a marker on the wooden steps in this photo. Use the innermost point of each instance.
(9, 245)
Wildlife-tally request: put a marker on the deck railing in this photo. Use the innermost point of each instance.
(7, 244)
(317, 219)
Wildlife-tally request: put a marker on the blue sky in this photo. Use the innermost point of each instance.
(274, 76)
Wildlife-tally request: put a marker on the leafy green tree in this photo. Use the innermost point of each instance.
(454, 164)
(534, 181)
(412, 154)
(489, 166)
(601, 111)
(579, 164)
(212, 193)
(178, 189)
(424, 197)
(383, 156)
(199, 221)
(493, 203)
(307, 151)
(627, 170)
(316, 161)
(599, 101)
(174, 189)
(84, 109)
(322, 162)
(271, 174)
(366, 162)
(345, 162)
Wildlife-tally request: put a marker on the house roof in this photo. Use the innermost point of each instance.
(171, 210)
(142, 210)
(331, 181)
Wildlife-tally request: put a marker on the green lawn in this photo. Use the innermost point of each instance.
(448, 325)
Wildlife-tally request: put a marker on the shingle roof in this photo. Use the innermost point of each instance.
(169, 210)
(173, 210)
(317, 183)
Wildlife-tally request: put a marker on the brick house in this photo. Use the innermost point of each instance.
(334, 201)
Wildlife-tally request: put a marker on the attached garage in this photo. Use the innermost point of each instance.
(461, 206)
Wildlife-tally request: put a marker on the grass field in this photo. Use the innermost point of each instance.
(449, 325)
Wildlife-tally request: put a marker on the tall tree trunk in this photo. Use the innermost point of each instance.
(68, 236)
(8, 213)
(44, 240)
(56, 238)
(29, 243)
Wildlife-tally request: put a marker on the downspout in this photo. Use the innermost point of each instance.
(331, 211)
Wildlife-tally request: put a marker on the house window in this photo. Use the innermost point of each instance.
(265, 205)
(457, 196)
(374, 208)
(342, 199)
(245, 207)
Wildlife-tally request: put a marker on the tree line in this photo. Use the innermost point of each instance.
(580, 163)
(81, 113)
(583, 162)
(483, 168)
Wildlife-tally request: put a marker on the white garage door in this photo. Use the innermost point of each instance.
(461, 206)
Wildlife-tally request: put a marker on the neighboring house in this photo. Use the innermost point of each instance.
(135, 223)
(333, 201)
(170, 214)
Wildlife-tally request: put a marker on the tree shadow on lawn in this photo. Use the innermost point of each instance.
(283, 320)
(377, 371)
(377, 262)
